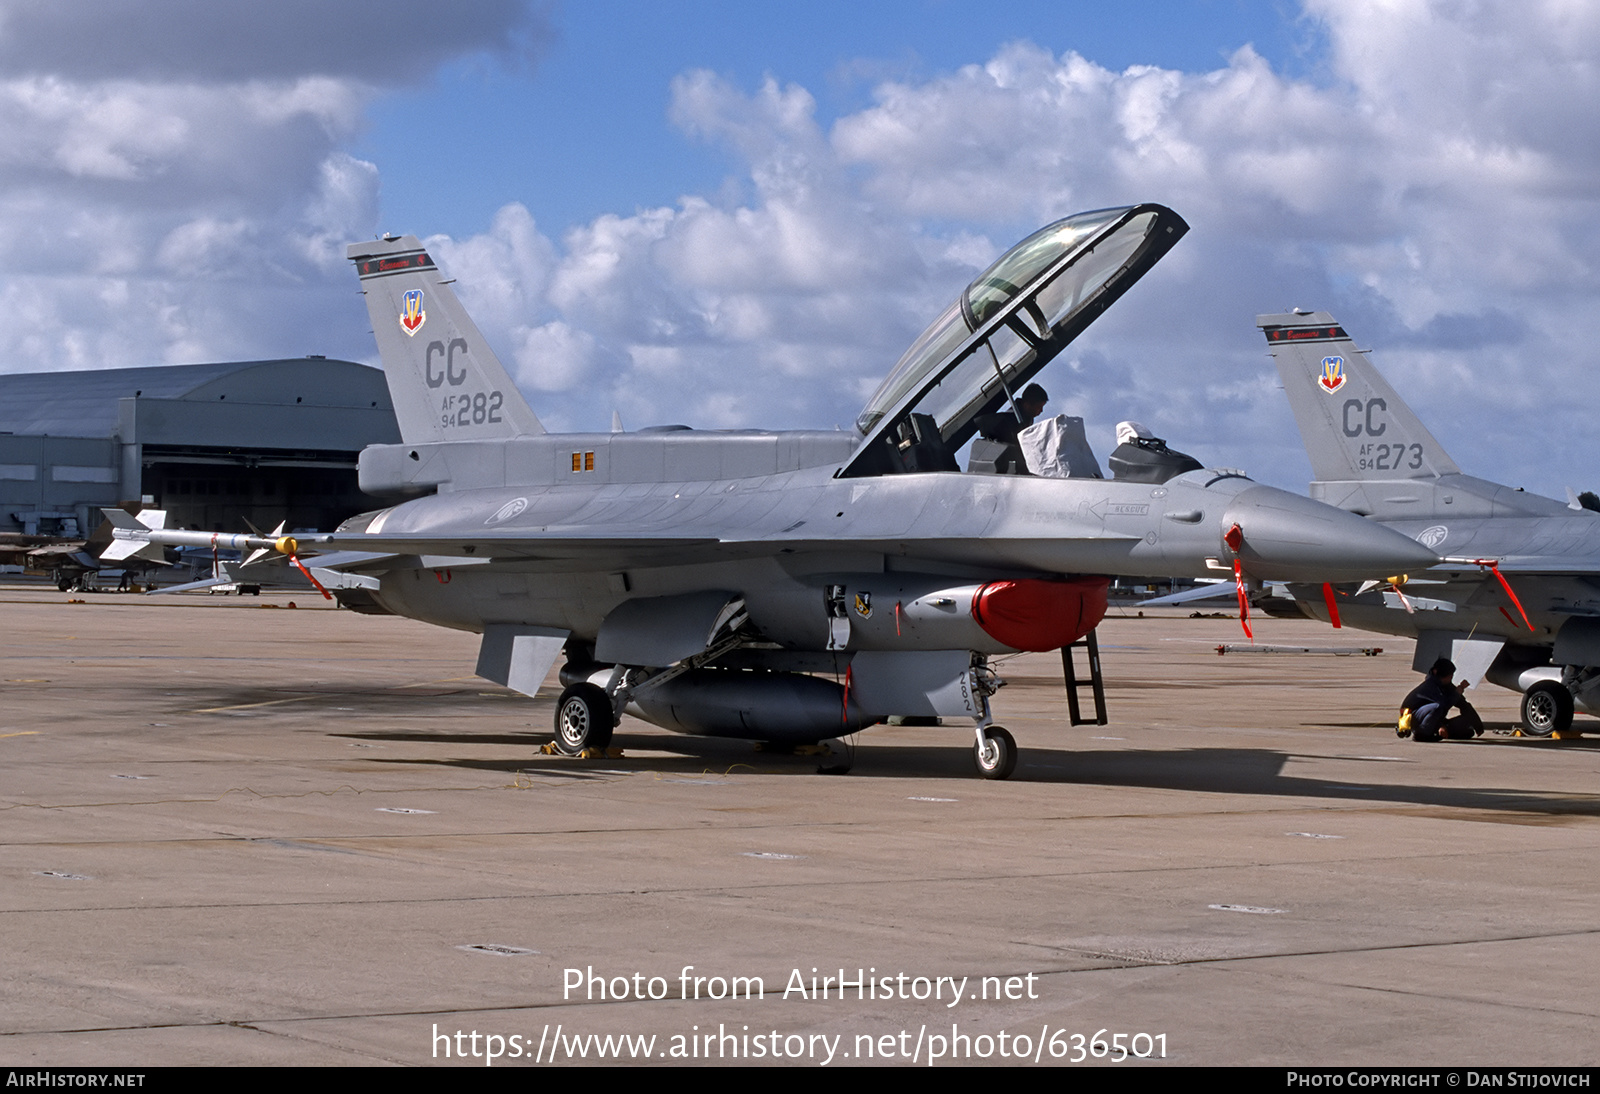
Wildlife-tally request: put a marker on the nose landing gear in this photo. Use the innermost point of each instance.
(995, 752)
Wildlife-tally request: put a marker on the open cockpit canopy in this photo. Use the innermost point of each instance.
(1008, 324)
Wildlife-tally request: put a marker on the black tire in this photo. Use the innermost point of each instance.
(583, 719)
(1546, 709)
(999, 759)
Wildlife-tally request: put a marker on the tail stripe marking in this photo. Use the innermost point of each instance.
(388, 264)
(1304, 334)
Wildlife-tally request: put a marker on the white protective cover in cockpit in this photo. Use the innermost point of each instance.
(1056, 448)
(1128, 432)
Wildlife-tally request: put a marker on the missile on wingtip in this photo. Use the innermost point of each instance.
(133, 537)
(1287, 537)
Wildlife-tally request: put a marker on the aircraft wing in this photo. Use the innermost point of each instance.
(579, 546)
(1527, 565)
(581, 549)
(335, 560)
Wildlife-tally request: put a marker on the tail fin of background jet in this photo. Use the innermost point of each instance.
(445, 381)
(1353, 424)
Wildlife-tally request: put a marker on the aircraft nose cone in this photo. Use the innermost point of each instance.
(1291, 538)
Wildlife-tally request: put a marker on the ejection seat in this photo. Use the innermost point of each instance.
(1053, 448)
(988, 457)
(1141, 456)
(1056, 448)
(920, 447)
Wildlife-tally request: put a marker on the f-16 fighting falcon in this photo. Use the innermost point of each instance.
(798, 586)
(1517, 598)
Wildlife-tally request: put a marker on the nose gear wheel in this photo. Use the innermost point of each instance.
(995, 754)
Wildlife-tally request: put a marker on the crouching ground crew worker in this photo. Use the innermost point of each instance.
(1425, 713)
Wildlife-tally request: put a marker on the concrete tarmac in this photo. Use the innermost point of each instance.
(232, 832)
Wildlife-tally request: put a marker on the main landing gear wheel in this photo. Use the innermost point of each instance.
(583, 719)
(1546, 709)
(996, 754)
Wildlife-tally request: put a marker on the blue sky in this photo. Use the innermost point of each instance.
(739, 215)
(583, 129)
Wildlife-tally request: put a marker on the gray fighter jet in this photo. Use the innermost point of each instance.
(1518, 597)
(796, 586)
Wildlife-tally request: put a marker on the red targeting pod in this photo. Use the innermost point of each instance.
(1040, 615)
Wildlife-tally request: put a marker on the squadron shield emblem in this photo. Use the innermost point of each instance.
(411, 314)
(1332, 378)
(864, 605)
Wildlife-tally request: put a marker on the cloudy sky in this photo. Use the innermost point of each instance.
(693, 213)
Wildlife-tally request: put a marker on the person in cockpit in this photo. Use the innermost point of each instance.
(1003, 426)
(1006, 424)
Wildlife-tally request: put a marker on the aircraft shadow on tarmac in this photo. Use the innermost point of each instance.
(1253, 771)
(1261, 772)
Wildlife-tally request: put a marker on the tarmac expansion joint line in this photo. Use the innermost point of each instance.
(343, 788)
(1498, 1002)
(1131, 961)
(254, 1027)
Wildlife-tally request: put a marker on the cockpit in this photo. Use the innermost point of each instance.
(967, 377)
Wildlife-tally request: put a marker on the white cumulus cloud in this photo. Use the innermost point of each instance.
(1433, 184)
(1434, 187)
(175, 180)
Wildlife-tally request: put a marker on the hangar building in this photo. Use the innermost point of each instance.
(214, 445)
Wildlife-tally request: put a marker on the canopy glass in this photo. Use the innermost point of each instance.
(1013, 319)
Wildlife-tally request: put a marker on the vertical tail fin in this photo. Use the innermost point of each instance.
(445, 381)
(1353, 424)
